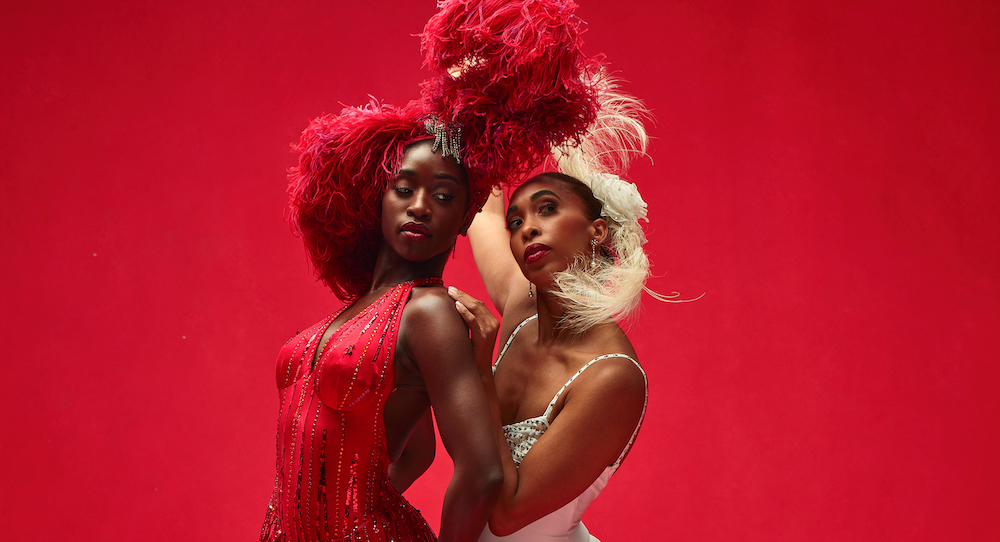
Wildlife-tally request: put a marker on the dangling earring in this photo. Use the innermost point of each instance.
(593, 253)
(529, 291)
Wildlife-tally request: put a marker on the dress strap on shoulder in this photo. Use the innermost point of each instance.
(511, 339)
(552, 403)
(645, 397)
(642, 416)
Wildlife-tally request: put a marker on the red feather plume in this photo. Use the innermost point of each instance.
(510, 73)
(345, 164)
(513, 75)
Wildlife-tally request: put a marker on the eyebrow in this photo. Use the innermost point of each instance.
(542, 193)
(535, 196)
(446, 176)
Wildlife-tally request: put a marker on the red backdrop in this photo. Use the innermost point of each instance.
(825, 174)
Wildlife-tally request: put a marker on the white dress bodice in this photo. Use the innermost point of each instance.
(564, 524)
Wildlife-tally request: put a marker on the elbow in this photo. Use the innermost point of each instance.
(508, 518)
(485, 482)
(503, 525)
(491, 481)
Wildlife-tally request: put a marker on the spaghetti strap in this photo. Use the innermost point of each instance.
(552, 403)
(511, 338)
(548, 410)
(642, 415)
(510, 430)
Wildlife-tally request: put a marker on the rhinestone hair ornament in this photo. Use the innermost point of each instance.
(446, 136)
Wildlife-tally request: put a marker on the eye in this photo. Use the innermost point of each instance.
(400, 189)
(546, 208)
(444, 196)
(513, 224)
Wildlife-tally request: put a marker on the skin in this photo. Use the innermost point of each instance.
(607, 399)
(424, 209)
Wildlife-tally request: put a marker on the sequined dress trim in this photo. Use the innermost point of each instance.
(332, 481)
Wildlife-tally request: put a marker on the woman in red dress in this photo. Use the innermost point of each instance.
(379, 196)
(353, 386)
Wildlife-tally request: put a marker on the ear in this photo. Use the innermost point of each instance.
(600, 231)
(468, 220)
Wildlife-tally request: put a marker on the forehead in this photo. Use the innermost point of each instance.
(420, 155)
(540, 182)
(533, 186)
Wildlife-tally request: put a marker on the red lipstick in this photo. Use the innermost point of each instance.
(415, 231)
(535, 252)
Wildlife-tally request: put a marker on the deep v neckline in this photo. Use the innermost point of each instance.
(328, 336)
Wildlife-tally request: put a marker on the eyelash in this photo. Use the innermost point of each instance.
(543, 209)
(440, 196)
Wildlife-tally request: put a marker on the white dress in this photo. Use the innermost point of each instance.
(564, 524)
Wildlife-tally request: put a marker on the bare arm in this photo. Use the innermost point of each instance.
(417, 455)
(436, 339)
(491, 249)
(606, 400)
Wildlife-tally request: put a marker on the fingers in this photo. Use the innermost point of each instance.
(465, 313)
(462, 302)
(472, 304)
(474, 311)
(459, 295)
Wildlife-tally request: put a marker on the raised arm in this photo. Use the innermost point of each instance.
(436, 340)
(491, 249)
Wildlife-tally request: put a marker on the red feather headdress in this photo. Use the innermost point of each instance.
(510, 77)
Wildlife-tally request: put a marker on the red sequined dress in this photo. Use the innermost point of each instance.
(332, 478)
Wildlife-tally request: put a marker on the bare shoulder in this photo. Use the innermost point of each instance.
(431, 325)
(616, 376)
(431, 306)
(616, 370)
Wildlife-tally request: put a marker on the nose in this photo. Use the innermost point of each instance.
(529, 229)
(419, 206)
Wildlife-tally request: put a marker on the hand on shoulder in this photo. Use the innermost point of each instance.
(431, 302)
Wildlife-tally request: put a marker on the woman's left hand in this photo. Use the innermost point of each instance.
(483, 326)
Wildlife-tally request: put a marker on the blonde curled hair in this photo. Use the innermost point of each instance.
(607, 286)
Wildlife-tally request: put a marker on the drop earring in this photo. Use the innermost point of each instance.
(593, 253)
(530, 294)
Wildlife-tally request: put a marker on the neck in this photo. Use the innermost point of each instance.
(550, 311)
(391, 269)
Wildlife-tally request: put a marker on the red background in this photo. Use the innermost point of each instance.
(825, 173)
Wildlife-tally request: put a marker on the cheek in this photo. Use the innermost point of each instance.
(513, 241)
(385, 211)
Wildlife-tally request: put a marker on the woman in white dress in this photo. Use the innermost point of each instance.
(562, 262)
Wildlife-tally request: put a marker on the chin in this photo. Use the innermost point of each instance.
(539, 278)
(418, 256)
(541, 273)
